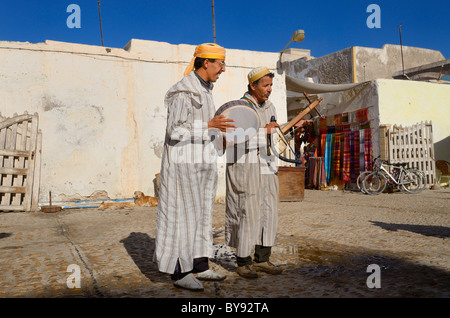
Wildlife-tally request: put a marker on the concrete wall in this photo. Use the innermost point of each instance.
(334, 68)
(372, 64)
(400, 102)
(359, 64)
(102, 110)
(406, 103)
(389, 101)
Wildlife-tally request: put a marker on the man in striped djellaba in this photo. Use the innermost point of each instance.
(252, 187)
(188, 178)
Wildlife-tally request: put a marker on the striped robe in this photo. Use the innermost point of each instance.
(251, 193)
(188, 181)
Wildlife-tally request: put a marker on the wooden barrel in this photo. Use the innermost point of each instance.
(292, 183)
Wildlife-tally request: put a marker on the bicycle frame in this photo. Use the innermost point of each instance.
(400, 177)
(400, 174)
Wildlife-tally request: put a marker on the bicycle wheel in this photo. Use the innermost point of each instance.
(360, 179)
(374, 183)
(423, 178)
(413, 181)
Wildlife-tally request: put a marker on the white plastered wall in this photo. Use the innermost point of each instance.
(407, 103)
(102, 112)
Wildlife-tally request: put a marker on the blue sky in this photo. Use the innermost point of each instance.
(262, 25)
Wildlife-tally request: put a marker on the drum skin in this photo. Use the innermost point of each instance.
(245, 118)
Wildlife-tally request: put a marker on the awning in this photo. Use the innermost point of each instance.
(297, 85)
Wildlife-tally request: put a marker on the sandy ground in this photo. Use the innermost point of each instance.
(324, 245)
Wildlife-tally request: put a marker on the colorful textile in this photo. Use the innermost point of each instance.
(351, 117)
(343, 128)
(362, 115)
(368, 149)
(316, 165)
(346, 161)
(330, 120)
(356, 153)
(338, 119)
(352, 152)
(322, 126)
(333, 138)
(321, 178)
(361, 151)
(337, 154)
(328, 157)
(331, 129)
(323, 139)
(364, 125)
(350, 144)
(354, 126)
(315, 172)
(345, 118)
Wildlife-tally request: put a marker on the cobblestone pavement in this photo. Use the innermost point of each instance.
(325, 244)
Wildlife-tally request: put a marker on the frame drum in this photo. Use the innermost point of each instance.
(246, 120)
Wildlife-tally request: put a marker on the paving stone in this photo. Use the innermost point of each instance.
(324, 245)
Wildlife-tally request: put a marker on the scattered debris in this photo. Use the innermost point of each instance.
(50, 208)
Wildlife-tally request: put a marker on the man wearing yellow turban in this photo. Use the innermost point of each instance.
(209, 51)
(252, 188)
(188, 180)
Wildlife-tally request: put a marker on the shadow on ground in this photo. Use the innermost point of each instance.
(141, 247)
(311, 269)
(428, 230)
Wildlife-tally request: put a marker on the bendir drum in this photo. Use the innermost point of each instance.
(246, 120)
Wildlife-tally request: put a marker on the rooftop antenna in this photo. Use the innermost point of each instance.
(401, 50)
(214, 22)
(100, 19)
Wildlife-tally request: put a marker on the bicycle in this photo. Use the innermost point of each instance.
(376, 165)
(362, 176)
(408, 180)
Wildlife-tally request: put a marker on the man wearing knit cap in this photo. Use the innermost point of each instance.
(252, 188)
(188, 182)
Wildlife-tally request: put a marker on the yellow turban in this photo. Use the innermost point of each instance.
(257, 73)
(206, 51)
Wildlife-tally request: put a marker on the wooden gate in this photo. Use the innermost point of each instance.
(20, 156)
(414, 145)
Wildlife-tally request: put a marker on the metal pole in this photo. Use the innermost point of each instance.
(100, 19)
(401, 48)
(214, 22)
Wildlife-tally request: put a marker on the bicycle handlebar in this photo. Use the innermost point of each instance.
(388, 163)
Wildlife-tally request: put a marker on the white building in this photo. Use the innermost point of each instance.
(101, 110)
(102, 114)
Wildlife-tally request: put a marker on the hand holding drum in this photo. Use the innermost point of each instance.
(221, 122)
(246, 121)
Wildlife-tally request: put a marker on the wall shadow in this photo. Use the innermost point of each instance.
(442, 149)
(318, 268)
(5, 235)
(428, 230)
